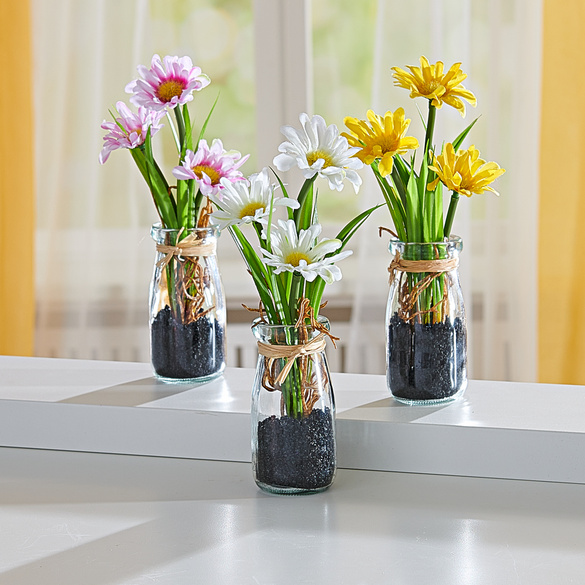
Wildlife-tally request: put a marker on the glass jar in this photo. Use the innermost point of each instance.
(293, 411)
(425, 323)
(187, 306)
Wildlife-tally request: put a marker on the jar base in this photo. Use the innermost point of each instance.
(290, 491)
(430, 401)
(199, 380)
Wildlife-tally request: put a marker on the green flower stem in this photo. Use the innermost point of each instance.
(430, 128)
(295, 294)
(451, 213)
(197, 201)
(193, 210)
(181, 127)
(174, 131)
(171, 287)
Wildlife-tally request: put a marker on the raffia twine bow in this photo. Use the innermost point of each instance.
(290, 353)
(189, 247)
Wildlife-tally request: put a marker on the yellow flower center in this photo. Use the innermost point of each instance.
(169, 89)
(313, 157)
(387, 143)
(294, 258)
(213, 175)
(250, 209)
(429, 88)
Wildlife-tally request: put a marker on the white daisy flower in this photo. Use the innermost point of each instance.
(301, 253)
(319, 149)
(247, 201)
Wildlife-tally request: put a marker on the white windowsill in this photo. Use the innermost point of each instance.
(498, 429)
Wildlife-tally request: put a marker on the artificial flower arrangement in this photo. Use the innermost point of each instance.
(415, 199)
(425, 314)
(289, 264)
(186, 285)
(292, 414)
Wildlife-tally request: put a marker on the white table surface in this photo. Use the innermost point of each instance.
(100, 518)
(71, 518)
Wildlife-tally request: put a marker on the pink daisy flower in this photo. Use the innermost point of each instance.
(129, 130)
(167, 83)
(209, 165)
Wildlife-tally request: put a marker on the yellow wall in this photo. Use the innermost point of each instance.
(16, 181)
(562, 195)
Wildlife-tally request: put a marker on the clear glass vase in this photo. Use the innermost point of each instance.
(425, 323)
(293, 412)
(187, 306)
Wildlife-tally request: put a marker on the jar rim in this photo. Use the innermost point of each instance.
(158, 227)
(258, 322)
(453, 244)
(452, 239)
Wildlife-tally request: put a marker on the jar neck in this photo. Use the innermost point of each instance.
(169, 236)
(286, 334)
(427, 250)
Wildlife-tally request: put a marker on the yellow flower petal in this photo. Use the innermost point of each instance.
(386, 164)
(464, 171)
(430, 81)
(380, 137)
(431, 186)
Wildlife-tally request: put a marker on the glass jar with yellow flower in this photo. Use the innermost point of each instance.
(425, 316)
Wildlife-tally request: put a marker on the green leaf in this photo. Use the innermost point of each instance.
(303, 215)
(314, 292)
(260, 274)
(459, 140)
(188, 142)
(204, 127)
(438, 213)
(395, 206)
(401, 172)
(352, 226)
(157, 184)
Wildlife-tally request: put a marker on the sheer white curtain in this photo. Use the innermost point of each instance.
(94, 255)
(499, 46)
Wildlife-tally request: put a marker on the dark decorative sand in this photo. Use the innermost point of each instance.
(182, 351)
(297, 453)
(426, 362)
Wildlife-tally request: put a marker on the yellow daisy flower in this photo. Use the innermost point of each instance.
(380, 138)
(464, 172)
(428, 81)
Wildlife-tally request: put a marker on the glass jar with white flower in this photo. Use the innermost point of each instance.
(293, 430)
(187, 305)
(425, 316)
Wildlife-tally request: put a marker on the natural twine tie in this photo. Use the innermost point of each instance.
(190, 247)
(291, 353)
(408, 298)
(437, 266)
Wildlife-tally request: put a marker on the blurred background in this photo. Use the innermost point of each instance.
(270, 60)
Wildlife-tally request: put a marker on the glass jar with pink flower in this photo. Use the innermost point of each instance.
(187, 304)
